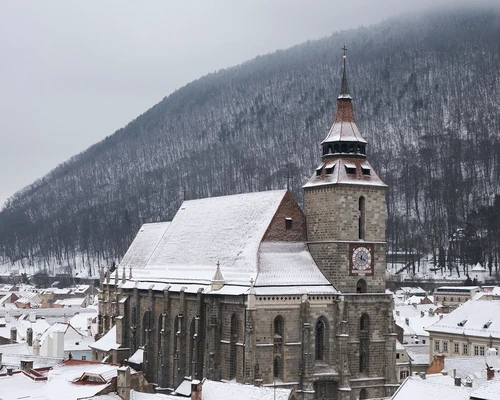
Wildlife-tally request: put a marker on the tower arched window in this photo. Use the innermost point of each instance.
(336, 148)
(361, 223)
(362, 394)
(364, 323)
(344, 148)
(321, 338)
(361, 286)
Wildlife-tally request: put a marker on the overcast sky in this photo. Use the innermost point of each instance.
(73, 72)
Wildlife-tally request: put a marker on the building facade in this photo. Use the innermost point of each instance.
(469, 330)
(250, 287)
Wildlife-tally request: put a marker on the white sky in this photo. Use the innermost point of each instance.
(73, 72)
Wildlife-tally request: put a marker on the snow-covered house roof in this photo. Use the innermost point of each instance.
(418, 353)
(474, 318)
(107, 342)
(432, 387)
(213, 390)
(64, 381)
(228, 230)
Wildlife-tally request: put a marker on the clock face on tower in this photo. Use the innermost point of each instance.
(361, 259)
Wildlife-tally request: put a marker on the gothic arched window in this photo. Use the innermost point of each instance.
(321, 338)
(233, 353)
(278, 333)
(192, 341)
(278, 368)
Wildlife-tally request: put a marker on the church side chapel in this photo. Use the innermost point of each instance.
(251, 288)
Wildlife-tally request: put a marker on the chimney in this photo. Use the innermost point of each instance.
(13, 334)
(36, 347)
(196, 387)
(0, 361)
(26, 365)
(9, 371)
(407, 321)
(422, 314)
(29, 336)
(7, 316)
(58, 344)
(422, 375)
(398, 313)
(458, 381)
(468, 382)
(123, 383)
(32, 316)
(490, 373)
(89, 326)
(491, 358)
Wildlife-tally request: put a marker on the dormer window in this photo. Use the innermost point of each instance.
(366, 170)
(318, 170)
(288, 223)
(329, 168)
(350, 168)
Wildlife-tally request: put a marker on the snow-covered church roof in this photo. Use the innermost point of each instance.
(228, 230)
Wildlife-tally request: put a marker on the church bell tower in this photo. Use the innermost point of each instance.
(345, 207)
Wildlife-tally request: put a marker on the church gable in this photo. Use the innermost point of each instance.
(288, 224)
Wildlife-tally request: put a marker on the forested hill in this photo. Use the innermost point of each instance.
(426, 95)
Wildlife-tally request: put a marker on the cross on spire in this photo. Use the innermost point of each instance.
(344, 90)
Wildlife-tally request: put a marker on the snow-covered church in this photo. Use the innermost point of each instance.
(252, 288)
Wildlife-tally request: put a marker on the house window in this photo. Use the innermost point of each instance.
(456, 349)
(465, 349)
(403, 374)
(476, 350)
(397, 356)
(423, 341)
(288, 223)
(451, 298)
(84, 358)
(437, 345)
(481, 350)
(445, 347)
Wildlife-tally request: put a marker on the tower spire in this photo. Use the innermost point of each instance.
(344, 90)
